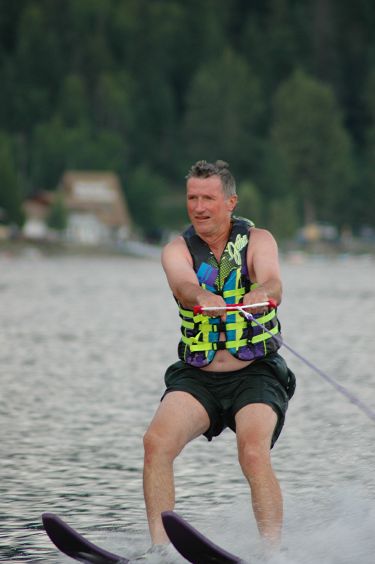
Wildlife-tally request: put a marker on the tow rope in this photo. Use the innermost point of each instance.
(272, 304)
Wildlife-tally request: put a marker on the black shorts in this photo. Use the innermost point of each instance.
(223, 394)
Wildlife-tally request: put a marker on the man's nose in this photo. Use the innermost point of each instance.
(199, 205)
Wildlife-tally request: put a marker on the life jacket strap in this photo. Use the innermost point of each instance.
(195, 346)
(210, 327)
(201, 342)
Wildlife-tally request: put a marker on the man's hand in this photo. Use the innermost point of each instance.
(207, 299)
(258, 295)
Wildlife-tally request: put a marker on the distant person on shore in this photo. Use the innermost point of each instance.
(229, 373)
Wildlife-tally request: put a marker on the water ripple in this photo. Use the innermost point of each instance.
(84, 343)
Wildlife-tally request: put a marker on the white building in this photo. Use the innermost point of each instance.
(97, 209)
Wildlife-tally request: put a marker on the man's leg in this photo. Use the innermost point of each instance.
(255, 424)
(179, 419)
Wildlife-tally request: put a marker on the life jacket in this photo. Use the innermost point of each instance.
(200, 334)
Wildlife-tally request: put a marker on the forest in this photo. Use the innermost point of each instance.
(283, 90)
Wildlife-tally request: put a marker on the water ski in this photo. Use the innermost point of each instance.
(192, 544)
(73, 544)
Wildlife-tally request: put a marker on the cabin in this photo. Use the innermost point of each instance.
(96, 206)
(36, 209)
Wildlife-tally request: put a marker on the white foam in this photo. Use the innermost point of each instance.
(336, 527)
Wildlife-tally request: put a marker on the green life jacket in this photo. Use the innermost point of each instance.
(230, 279)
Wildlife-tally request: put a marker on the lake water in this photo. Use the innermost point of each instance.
(84, 343)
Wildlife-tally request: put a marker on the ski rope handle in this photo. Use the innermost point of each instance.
(237, 307)
(272, 304)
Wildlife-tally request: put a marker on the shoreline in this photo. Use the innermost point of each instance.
(290, 251)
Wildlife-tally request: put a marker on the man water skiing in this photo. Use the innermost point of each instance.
(229, 373)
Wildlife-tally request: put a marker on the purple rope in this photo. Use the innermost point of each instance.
(344, 391)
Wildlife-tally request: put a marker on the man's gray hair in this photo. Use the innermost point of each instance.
(203, 169)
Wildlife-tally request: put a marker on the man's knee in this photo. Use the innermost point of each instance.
(157, 445)
(253, 458)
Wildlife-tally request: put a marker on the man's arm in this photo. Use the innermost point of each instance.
(263, 265)
(178, 267)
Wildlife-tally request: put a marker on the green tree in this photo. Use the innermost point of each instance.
(56, 148)
(273, 181)
(283, 217)
(58, 215)
(36, 68)
(148, 37)
(274, 40)
(224, 109)
(249, 202)
(309, 135)
(365, 200)
(10, 191)
(158, 84)
(87, 41)
(48, 158)
(102, 150)
(145, 192)
(115, 103)
(73, 106)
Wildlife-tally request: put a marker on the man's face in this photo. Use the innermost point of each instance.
(208, 209)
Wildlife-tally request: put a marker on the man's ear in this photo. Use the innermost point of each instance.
(232, 202)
